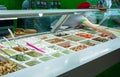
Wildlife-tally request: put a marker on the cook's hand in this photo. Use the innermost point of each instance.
(112, 36)
(104, 31)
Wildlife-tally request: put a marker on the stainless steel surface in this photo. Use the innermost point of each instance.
(35, 13)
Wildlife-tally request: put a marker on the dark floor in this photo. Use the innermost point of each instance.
(113, 71)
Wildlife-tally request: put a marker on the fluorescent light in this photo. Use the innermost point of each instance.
(76, 13)
(40, 14)
(8, 18)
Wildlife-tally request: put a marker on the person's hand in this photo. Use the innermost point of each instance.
(105, 32)
(112, 36)
(109, 35)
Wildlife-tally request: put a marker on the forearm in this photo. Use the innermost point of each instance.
(97, 28)
(103, 30)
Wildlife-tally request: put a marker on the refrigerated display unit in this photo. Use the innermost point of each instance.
(58, 51)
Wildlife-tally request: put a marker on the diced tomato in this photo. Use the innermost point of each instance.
(85, 35)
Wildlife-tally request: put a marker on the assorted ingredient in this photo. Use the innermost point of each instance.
(100, 39)
(54, 45)
(20, 57)
(55, 40)
(85, 35)
(7, 67)
(20, 49)
(78, 48)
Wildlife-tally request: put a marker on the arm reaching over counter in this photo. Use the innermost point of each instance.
(97, 28)
(78, 20)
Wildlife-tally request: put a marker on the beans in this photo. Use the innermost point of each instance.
(55, 40)
(80, 47)
(7, 67)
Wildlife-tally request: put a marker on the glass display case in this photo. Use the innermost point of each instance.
(51, 47)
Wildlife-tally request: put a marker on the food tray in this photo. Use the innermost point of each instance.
(57, 54)
(85, 35)
(66, 51)
(34, 53)
(20, 49)
(90, 42)
(55, 47)
(8, 51)
(67, 44)
(79, 47)
(73, 38)
(45, 58)
(100, 39)
(20, 58)
(55, 40)
(8, 66)
(32, 62)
